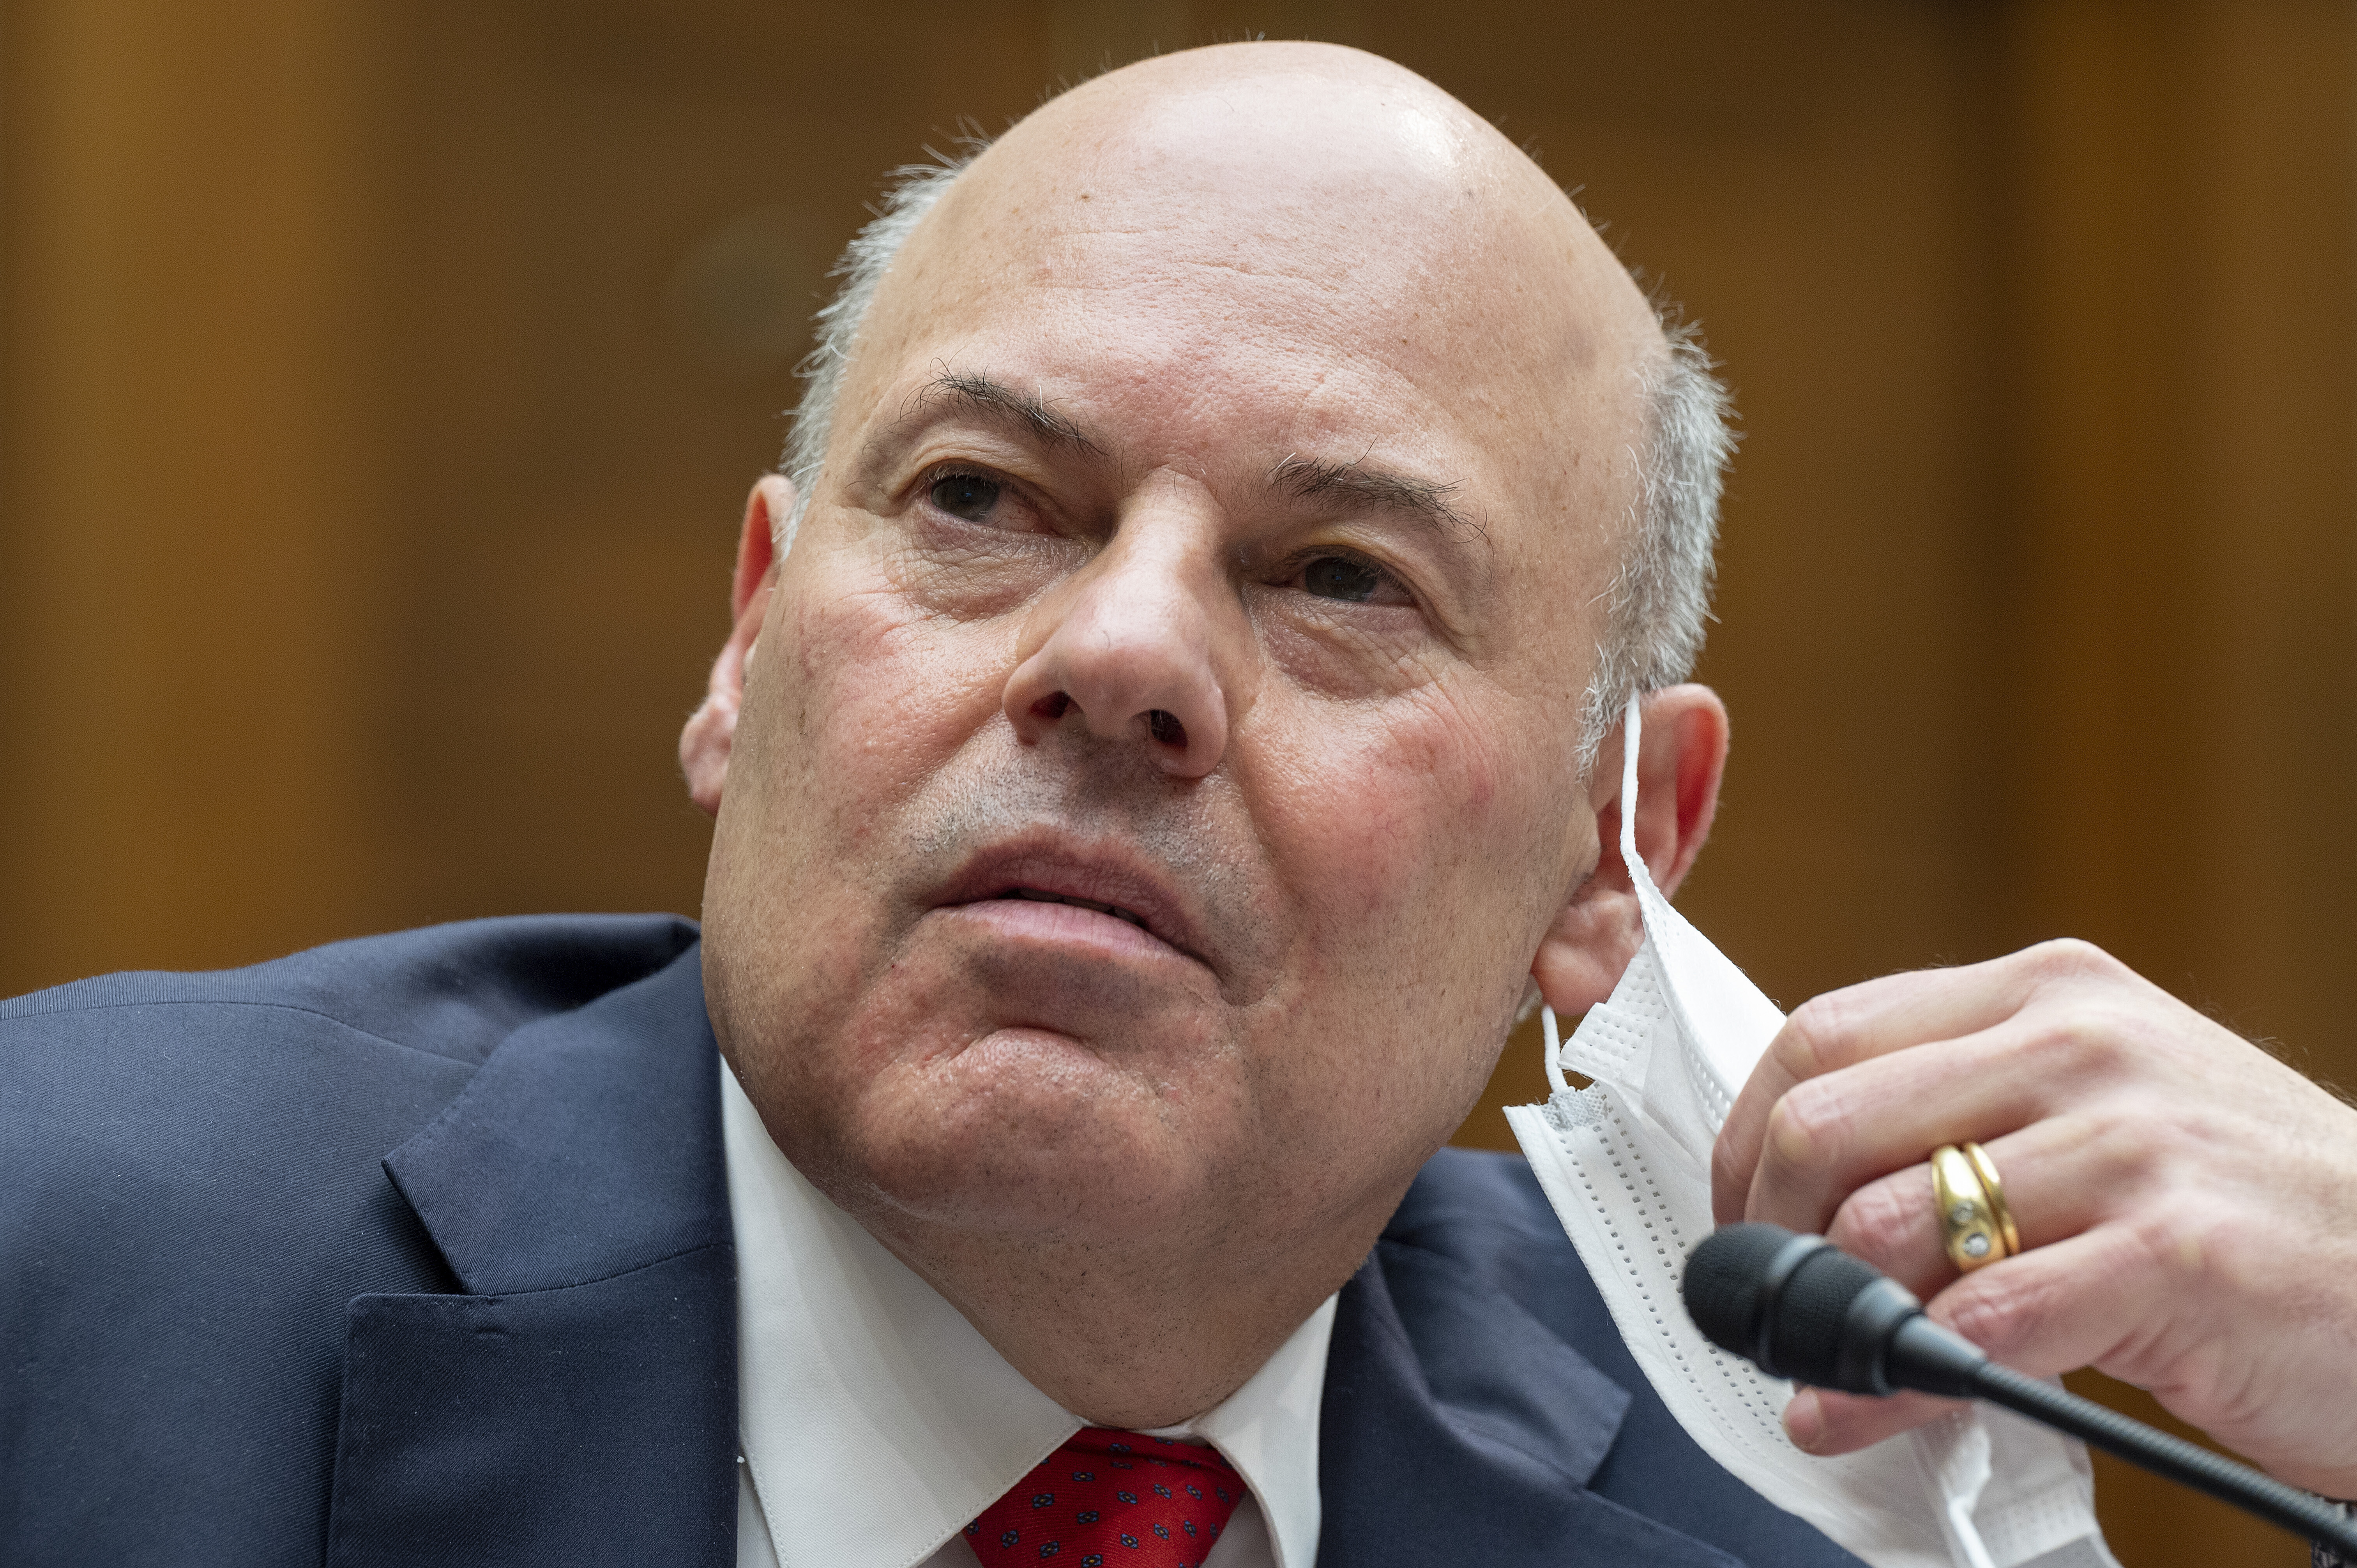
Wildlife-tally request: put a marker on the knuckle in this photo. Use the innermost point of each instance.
(2005, 1309)
(2185, 1238)
(1810, 1121)
(2087, 1038)
(2069, 957)
(1994, 1316)
(1876, 1224)
(2123, 1149)
(1810, 1041)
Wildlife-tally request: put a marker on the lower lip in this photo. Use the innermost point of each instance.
(1037, 920)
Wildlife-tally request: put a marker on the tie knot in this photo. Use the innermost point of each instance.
(1119, 1497)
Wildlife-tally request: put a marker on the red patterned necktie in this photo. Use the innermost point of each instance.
(1112, 1498)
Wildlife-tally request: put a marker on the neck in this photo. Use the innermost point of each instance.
(1132, 1335)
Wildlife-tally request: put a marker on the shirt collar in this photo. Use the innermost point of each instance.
(878, 1421)
(1268, 1431)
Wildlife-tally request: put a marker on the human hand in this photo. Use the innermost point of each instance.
(2187, 1203)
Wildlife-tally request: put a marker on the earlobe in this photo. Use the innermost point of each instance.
(1679, 760)
(710, 733)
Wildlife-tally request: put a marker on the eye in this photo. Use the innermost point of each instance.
(967, 496)
(1345, 577)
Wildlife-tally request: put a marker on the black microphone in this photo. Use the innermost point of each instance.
(1801, 1308)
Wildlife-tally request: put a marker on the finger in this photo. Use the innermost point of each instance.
(1827, 1420)
(1834, 1133)
(2141, 1302)
(2044, 1313)
(1853, 1024)
(2058, 1181)
(2074, 1304)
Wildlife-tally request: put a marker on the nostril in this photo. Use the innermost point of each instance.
(1164, 727)
(1052, 705)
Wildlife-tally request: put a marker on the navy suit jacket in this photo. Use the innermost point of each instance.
(417, 1249)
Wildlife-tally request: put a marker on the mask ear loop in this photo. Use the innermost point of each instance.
(1637, 874)
(1547, 1024)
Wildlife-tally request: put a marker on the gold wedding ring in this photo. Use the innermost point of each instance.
(1976, 1226)
(1986, 1168)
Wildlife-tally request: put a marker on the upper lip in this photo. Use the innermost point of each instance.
(1102, 874)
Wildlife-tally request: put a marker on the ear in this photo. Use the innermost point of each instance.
(711, 730)
(1679, 762)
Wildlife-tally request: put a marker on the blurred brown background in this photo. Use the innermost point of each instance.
(383, 382)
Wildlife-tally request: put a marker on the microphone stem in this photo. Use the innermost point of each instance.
(2302, 1513)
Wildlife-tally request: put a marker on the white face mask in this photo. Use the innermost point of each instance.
(1626, 1164)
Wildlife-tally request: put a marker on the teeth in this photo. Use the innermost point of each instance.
(1116, 910)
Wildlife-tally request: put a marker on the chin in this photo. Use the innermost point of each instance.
(1024, 1133)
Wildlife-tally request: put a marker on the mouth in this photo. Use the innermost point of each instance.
(1102, 879)
(1116, 910)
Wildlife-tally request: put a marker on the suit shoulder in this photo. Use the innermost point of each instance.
(324, 1059)
(453, 990)
(180, 1123)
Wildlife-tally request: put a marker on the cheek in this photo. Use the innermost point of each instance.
(873, 697)
(1410, 821)
(1410, 848)
(856, 700)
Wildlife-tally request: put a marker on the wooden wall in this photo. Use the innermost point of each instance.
(381, 383)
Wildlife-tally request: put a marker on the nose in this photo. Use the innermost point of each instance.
(1132, 650)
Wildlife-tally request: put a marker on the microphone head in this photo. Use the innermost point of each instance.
(1779, 1299)
(1724, 1283)
(1813, 1316)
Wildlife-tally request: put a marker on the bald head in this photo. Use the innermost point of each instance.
(1325, 181)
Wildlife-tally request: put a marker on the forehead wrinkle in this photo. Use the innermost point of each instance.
(1335, 281)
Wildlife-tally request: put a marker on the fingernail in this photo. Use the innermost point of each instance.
(1804, 1421)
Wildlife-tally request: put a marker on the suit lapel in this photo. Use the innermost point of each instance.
(579, 1403)
(1458, 1428)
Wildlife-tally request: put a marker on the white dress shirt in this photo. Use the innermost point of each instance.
(875, 1422)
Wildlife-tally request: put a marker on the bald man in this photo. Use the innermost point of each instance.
(1161, 742)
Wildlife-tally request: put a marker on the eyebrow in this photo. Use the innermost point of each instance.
(980, 394)
(1308, 480)
(1305, 478)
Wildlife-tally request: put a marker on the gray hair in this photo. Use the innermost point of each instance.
(1660, 596)
(911, 195)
